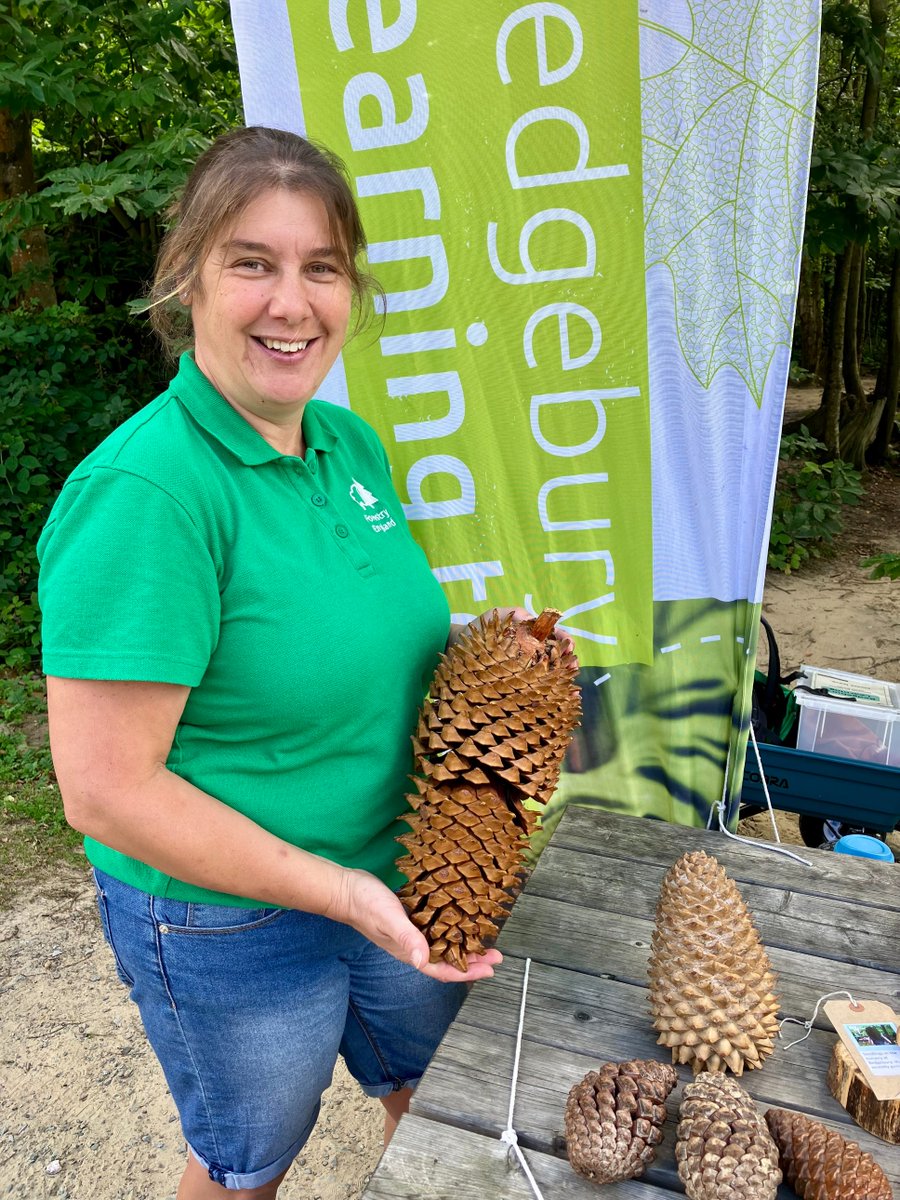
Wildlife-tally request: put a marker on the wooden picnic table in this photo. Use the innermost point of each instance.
(585, 920)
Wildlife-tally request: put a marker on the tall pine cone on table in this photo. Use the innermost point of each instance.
(723, 1149)
(710, 978)
(819, 1164)
(491, 735)
(614, 1119)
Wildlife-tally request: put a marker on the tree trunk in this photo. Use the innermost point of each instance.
(825, 423)
(853, 383)
(881, 445)
(32, 259)
(809, 314)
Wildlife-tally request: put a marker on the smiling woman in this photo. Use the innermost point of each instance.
(270, 308)
(238, 782)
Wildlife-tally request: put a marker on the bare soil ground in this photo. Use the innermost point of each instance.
(84, 1112)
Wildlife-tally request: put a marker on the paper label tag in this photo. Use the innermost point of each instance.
(869, 1030)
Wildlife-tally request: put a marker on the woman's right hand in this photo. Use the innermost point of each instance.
(372, 909)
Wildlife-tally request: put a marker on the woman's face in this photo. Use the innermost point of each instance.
(271, 313)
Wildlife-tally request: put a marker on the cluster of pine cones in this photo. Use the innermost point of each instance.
(491, 739)
(712, 1002)
(724, 1150)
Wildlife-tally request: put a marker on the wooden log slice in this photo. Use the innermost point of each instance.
(849, 1088)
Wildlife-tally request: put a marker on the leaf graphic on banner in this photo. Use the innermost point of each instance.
(727, 104)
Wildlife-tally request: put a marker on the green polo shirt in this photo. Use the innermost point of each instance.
(287, 593)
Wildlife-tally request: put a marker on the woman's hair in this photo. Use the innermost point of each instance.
(237, 168)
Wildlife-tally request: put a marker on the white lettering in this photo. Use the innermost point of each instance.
(412, 179)
(417, 343)
(569, 481)
(531, 274)
(586, 556)
(384, 37)
(425, 385)
(562, 312)
(595, 396)
(539, 14)
(577, 174)
(390, 131)
(475, 572)
(439, 464)
(430, 247)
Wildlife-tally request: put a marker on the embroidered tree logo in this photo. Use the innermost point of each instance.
(362, 495)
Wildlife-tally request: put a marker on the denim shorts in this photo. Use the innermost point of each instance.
(247, 1010)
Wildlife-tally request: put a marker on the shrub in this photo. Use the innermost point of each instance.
(883, 566)
(809, 501)
(66, 379)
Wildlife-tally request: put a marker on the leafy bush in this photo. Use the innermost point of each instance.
(809, 501)
(883, 566)
(66, 379)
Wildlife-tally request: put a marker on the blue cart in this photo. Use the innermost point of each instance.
(832, 796)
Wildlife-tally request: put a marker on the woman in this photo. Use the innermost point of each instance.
(235, 654)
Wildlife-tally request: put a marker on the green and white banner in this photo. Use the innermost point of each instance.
(587, 218)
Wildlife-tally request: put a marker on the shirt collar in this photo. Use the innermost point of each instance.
(214, 414)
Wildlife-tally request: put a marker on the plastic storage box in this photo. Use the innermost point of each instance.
(854, 717)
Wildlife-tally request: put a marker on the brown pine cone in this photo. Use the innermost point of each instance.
(819, 1164)
(614, 1119)
(490, 739)
(724, 1151)
(710, 977)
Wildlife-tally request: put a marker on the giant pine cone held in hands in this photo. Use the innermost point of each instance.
(724, 1151)
(492, 735)
(819, 1164)
(614, 1119)
(710, 978)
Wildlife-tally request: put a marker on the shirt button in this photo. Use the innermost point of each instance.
(313, 465)
(341, 530)
(318, 499)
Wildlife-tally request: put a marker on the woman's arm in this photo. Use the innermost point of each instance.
(110, 742)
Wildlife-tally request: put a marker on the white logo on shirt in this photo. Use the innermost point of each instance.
(378, 521)
(362, 495)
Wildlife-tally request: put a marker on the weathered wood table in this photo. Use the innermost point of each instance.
(585, 920)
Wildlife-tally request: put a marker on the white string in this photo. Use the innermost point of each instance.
(763, 781)
(808, 1025)
(509, 1136)
(760, 845)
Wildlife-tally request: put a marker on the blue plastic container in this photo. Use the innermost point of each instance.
(863, 846)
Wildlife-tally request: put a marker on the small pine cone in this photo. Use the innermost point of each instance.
(723, 1149)
(491, 737)
(614, 1119)
(710, 978)
(819, 1164)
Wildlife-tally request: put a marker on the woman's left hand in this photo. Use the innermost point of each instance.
(372, 909)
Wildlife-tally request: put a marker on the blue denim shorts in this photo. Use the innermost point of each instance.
(247, 1010)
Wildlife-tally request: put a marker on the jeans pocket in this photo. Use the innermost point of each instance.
(195, 919)
(103, 909)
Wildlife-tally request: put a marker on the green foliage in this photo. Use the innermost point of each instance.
(66, 379)
(809, 501)
(121, 99)
(32, 821)
(884, 566)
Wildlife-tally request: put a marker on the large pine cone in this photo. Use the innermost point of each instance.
(819, 1164)
(614, 1119)
(723, 1149)
(710, 978)
(492, 735)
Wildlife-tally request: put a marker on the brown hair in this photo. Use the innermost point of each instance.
(237, 168)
